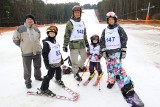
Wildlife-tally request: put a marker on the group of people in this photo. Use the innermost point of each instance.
(112, 45)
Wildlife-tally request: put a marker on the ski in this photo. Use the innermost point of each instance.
(134, 100)
(55, 96)
(73, 93)
(96, 82)
(86, 82)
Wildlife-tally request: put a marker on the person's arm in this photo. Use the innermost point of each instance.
(67, 34)
(45, 52)
(16, 37)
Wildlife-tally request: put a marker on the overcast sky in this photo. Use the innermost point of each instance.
(82, 2)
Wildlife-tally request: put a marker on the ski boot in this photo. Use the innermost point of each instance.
(47, 92)
(99, 76)
(77, 77)
(60, 82)
(91, 75)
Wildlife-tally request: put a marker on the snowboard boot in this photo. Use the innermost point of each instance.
(60, 82)
(109, 85)
(77, 77)
(91, 75)
(47, 92)
(128, 89)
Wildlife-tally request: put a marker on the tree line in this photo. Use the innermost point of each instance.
(129, 9)
(12, 12)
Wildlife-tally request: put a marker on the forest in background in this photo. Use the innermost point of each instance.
(12, 12)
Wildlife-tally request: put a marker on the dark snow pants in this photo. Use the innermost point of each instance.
(27, 62)
(49, 76)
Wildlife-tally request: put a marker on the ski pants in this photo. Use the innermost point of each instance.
(95, 65)
(49, 76)
(115, 70)
(27, 62)
(76, 61)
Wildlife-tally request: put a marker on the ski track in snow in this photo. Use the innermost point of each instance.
(142, 64)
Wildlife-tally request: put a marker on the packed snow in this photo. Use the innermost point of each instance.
(142, 64)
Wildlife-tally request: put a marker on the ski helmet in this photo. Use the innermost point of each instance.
(66, 69)
(111, 14)
(76, 8)
(94, 37)
(52, 29)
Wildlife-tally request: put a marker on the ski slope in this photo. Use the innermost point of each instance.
(141, 63)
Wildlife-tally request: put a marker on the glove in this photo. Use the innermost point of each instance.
(90, 56)
(65, 49)
(104, 54)
(123, 53)
(87, 45)
(96, 56)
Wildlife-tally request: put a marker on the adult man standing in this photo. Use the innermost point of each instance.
(27, 37)
(75, 36)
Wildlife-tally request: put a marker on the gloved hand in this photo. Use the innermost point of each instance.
(48, 67)
(87, 45)
(90, 56)
(65, 49)
(96, 56)
(103, 52)
(123, 53)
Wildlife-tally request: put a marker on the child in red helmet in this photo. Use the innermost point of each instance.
(52, 59)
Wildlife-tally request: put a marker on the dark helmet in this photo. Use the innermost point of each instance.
(111, 14)
(94, 37)
(52, 29)
(66, 69)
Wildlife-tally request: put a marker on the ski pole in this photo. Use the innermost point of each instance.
(83, 72)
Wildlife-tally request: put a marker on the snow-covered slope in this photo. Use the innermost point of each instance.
(138, 65)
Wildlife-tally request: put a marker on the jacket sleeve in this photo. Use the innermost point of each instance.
(102, 40)
(123, 37)
(67, 34)
(16, 37)
(85, 37)
(45, 52)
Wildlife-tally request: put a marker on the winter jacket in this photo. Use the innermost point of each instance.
(75, 44)
(45, 53)
(28, 39)
(123, 39)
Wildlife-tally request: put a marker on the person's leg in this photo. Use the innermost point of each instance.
(74, 59)
(83, 57)
(47, 78)
(37, 67)
(110, 70)
(91, 70)
(27, 61)
(99, 69)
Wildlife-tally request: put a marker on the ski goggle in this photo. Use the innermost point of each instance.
(111, 14)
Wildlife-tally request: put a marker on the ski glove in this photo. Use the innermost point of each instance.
(65, 49)
(97, 56)
(104, 54)
(123, 53)
(87, 45)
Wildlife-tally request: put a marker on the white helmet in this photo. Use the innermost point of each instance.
(111, 14)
